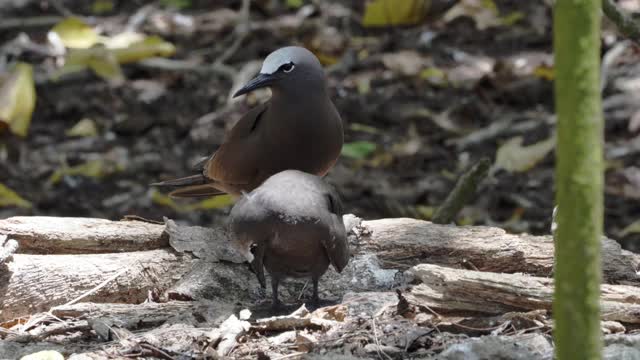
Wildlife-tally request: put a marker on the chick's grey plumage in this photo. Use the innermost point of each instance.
(292, 226)
(298, 128)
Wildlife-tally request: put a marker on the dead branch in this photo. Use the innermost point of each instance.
(141, 316)
(453, 290)
(463, 191)
(35, 283)
(35, 21)
(405, 242)
(625, 23)
(240, 33)
(227, 334)
(299, 319)
(400, 243)
(56, 235)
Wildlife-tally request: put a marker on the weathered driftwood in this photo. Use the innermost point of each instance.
(35, 283)
(453, 290)
(56, 235)
(146, 315)
(400, 243)
(408, 241)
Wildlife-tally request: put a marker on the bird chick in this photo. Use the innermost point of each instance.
(298, 128)
(292, 226)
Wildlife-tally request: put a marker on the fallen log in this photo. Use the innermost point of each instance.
(35, 283)
(399, 243)
(141, 316)
(406, 242)
(473, 292)
(68, 235)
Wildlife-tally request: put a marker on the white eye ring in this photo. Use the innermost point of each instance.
(290, 69)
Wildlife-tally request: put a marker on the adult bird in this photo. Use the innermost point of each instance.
(298, 128)
(292, 226)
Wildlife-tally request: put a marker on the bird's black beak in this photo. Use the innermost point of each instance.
(257, 82)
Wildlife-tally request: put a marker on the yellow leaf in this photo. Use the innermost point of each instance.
(89, 169)
(363, 128)
(149, 47)
(106, 66)
(512, 18)
(101, 6)
(84, 128)
(123, 39)
(382, 159)
(514, 157)
(105, 61)
(364, 85)
(161, 199)
(75, 33)
(18, 99)
(96, 169)
(98, 58)
(326, 60)
(425, 212)
(544, 72)
(465, 221)
(434, 75)
(394, 12)
(9, 197)
(294, 4)
(215, 202)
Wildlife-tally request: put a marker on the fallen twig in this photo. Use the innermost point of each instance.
(465, 291)
(241, 32)
(461, 194)
(35, 21)
(625, 23)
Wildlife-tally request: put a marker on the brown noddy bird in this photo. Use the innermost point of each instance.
(298, 128)
(292, 226)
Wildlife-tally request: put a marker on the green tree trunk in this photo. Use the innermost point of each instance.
(579, 179)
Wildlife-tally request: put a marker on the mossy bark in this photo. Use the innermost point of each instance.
(579, 179)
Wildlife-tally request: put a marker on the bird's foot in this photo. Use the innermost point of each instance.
(276, 306)
(262, 291)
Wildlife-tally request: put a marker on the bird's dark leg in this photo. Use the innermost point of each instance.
(315, 300)
(275, 303)
(257, 265)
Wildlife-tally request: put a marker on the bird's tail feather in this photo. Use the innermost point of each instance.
(185, 181)
(204, 190)
(191, 186)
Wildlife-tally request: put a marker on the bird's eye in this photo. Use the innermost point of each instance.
(253, 248)
(288, 67)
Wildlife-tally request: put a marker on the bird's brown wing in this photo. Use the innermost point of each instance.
(237, 160)
(336, 244)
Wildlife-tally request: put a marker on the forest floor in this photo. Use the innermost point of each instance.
(420, 105)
